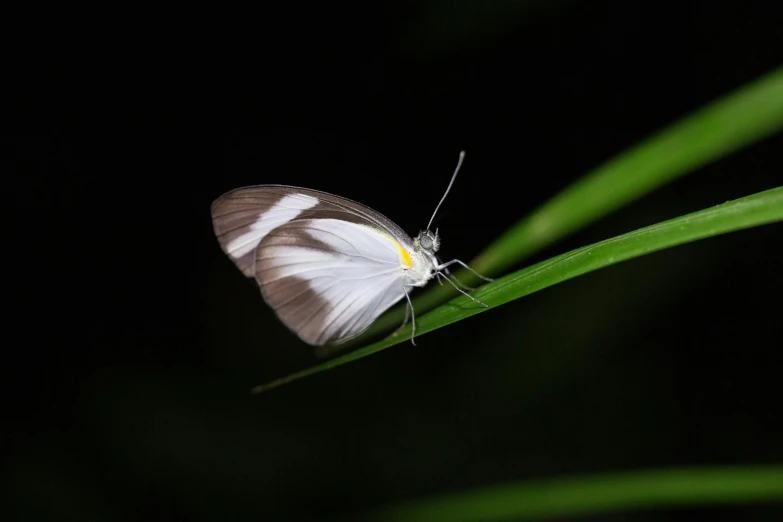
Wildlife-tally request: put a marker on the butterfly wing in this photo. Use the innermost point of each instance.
(327, 265)
(243, 217)
(328, 279)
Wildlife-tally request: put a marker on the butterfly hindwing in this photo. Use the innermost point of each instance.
(328, 279)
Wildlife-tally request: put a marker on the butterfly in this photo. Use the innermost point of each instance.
(328, 266)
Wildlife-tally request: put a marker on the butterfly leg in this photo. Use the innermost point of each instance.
(449, 274)
(404, 322)
(460, 283)
(449, 263)
(461, 291)
(413, 315)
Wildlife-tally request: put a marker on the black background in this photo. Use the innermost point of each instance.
(138, 340)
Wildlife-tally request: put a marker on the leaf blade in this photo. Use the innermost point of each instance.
(597, 494)
(755, 210)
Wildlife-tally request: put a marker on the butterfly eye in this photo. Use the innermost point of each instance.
(426, 242)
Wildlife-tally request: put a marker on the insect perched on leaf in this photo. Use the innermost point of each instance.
(327, 266)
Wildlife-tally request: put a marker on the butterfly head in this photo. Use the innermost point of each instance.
(428, 241)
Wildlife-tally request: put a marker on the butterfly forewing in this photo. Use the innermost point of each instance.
(243, 217)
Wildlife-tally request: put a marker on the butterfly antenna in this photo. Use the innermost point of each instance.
(459, 164)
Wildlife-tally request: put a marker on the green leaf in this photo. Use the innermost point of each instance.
(746, 115)
(595, 494)
(758, 209)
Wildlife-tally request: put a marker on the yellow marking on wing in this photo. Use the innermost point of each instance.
(406, 257)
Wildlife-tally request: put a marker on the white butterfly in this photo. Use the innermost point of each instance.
(328, 266)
